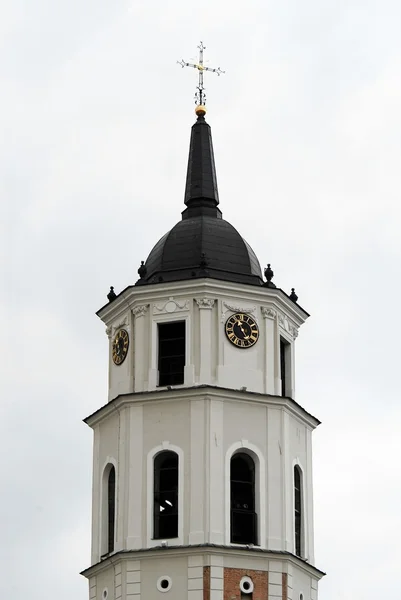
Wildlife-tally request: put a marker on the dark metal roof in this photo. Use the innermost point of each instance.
(203, 247)
(202, 244)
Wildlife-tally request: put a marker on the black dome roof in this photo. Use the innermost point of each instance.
(202, 244)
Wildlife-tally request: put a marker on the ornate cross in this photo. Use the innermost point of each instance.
(200, 96)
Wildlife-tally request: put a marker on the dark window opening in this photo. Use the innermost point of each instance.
(243, 515)
(111, 504)
(165, 511)
(171, 353)
(298, 510)
(285, 349)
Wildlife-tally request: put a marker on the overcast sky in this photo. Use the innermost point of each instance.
(95, 121)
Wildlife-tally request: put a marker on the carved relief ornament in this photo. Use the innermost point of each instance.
(235, 308)
(205, 303)
(287, 325)
(120, 325)
(140, 311)
(170, 306)
(283, 321)
(268, 313)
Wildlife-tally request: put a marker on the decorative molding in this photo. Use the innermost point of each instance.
(140, 311)
(205, 302)
(170, 306)
(109, 332)
(123, 323)
(268, 313)
(235, 308)
(287, 325)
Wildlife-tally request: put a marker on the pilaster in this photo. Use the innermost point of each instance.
(205, 308)
(269, 316)
(140, 312)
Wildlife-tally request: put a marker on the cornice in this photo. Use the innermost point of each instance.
(202, 549)
(224, 290)
(198, 392)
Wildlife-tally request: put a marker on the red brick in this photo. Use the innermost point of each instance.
(232, 578)
(285, 586)
(206, 583)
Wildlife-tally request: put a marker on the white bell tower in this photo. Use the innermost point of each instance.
(202, 466)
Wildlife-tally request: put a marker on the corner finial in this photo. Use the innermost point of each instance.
(293, 295)
(142, 270)
(269, 274)
(111, 295)
(200, 95)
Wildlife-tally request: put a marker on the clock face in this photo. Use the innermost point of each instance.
(242, 330)
(120, 346)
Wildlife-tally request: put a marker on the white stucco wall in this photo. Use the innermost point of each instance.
(241, 408)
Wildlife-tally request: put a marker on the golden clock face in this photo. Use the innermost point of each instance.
(120, 346)
(242, 330)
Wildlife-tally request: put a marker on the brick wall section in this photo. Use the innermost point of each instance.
(285, 586)
(232, 578)
(206, 583)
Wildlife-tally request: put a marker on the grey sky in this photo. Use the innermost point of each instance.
(95, 122)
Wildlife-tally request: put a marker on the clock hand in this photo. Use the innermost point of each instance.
(242, 329)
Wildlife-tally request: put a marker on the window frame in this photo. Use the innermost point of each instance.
(298, 515)
(252, 495)
(156, 484)
(246, 447)
(161, 324)
(189, 375)
(285, 358)
(150, 540)
(104, 542)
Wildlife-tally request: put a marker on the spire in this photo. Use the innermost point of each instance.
(201, 193)
(201, 186)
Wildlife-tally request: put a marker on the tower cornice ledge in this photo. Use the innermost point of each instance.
(199, 392)
(138, 295)
(202, 549)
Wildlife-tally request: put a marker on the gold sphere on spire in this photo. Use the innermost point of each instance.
(200, 110)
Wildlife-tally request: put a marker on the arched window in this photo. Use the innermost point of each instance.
(108, 509)
(165, 511)
(111, 495)
(242, 496)
(298, 510)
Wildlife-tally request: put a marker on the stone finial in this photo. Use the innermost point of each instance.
(111, 295)
(269, 274)
(293, 295)
(142, 270)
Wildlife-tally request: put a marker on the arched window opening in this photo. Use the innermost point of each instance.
(165, 513)
(243, 515)
(111, 508)
(298, 510)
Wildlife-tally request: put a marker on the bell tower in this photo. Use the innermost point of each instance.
(202, 458)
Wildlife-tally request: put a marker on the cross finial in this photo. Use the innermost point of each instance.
(200, 96)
